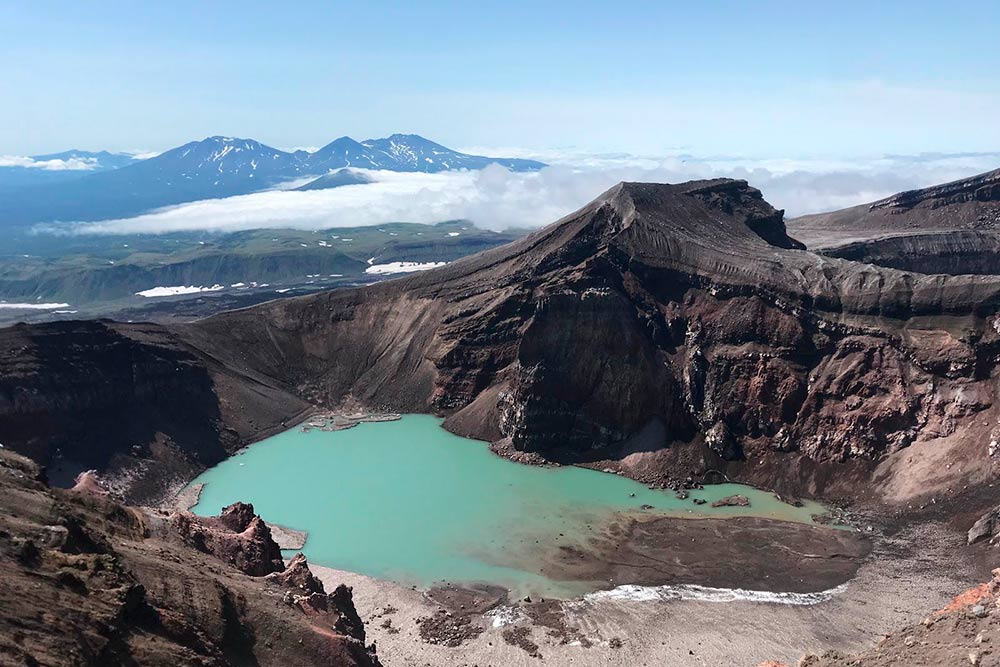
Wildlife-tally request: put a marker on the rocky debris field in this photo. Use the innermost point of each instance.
(964, 633)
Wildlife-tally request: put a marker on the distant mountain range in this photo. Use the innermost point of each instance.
(117, 185)
(58, 167)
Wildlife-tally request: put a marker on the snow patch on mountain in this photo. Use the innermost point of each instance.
(402, 267)
(154, 292)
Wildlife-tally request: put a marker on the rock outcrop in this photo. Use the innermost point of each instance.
(987, 527)
(297, 575)
(237, 536)
(732, 501)
(87, 581)
(89, 482)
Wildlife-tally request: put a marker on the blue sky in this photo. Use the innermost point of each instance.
(712, 78)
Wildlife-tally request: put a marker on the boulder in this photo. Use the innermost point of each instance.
(986, 527)
(732, 501)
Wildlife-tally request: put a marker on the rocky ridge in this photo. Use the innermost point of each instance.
(952, 228)
(88, 581)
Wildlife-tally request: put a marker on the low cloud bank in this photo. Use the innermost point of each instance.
(71, 164)
(495, 198)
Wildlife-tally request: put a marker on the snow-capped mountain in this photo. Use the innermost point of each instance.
(218, 167)
(342, 152)
(227, 164)
(405, 152)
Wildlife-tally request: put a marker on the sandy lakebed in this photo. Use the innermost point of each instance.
(907, 576)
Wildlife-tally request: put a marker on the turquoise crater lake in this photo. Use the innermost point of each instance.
(410, 502)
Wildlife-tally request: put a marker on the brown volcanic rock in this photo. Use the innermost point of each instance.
(952, 228)
(297, 575)
(964, 633)
(130, 400)
(237, 536)
(86, 581)
(308, 594)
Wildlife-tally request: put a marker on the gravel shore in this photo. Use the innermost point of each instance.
(907, 576)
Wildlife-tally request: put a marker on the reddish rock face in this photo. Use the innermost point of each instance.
(238, 537)
(237, 517)
(297, 575)
(89, 482)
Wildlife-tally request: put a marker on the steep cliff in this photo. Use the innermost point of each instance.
(127, 397)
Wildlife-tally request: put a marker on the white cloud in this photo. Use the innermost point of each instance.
(72, 164)
(143, 155)
(495, 198)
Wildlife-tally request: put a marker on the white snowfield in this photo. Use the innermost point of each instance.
(402, 267)
(179, 289)
(32, 306)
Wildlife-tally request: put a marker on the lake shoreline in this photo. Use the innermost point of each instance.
(735, 553)
(469, 515)
(628, 631)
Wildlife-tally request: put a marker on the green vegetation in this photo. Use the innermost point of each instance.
(100, 275)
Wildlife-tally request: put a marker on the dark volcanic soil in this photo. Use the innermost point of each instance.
(745, 552)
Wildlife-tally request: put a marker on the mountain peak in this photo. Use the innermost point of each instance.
(341, 141)
(402, 135)
(404, 152)
(712, 211)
